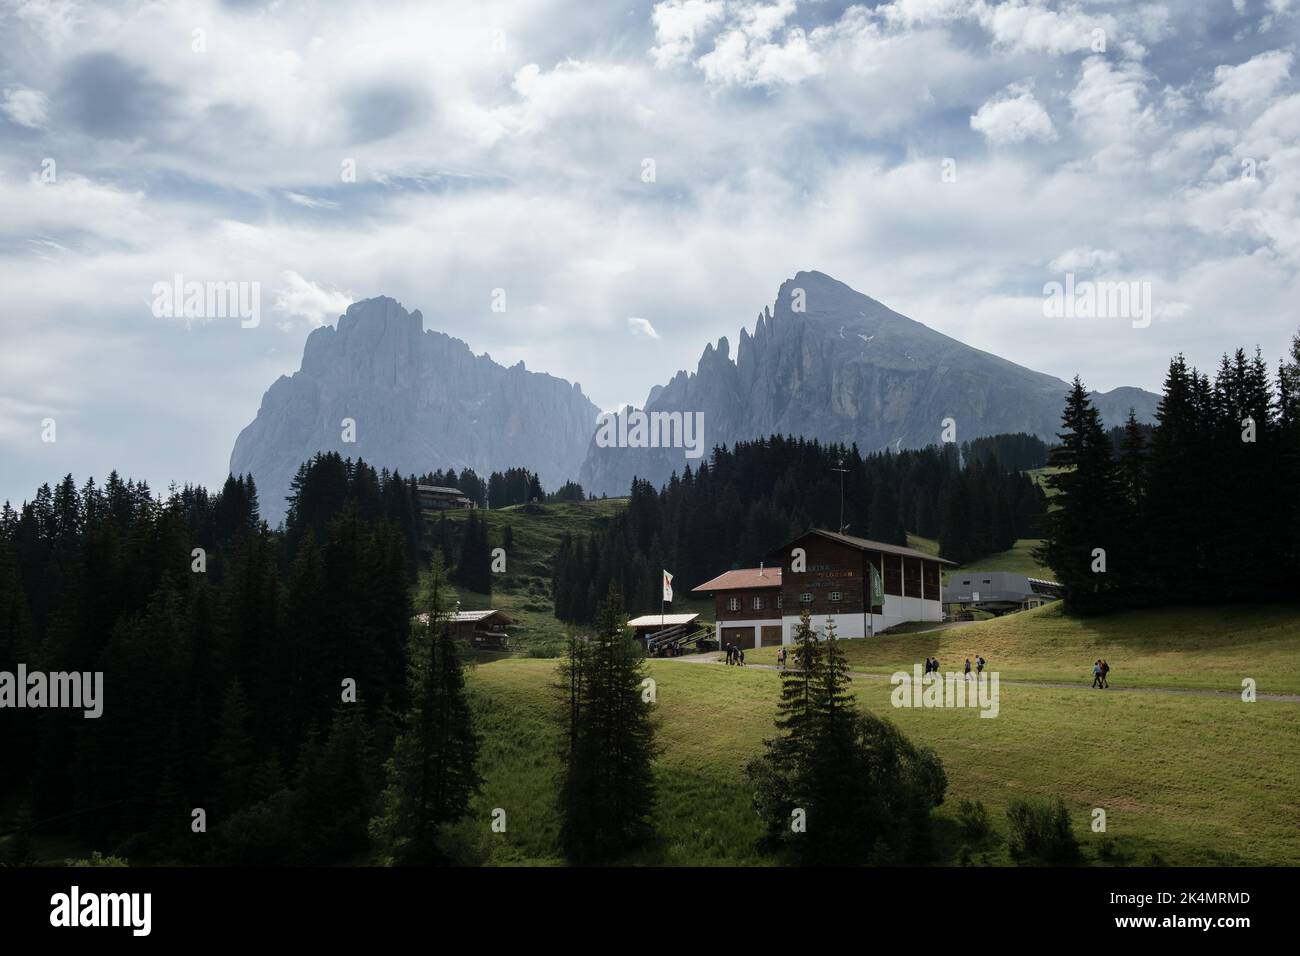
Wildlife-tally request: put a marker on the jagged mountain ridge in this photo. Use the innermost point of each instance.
(421, 400)
(847, 368)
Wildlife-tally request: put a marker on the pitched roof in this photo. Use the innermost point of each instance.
(439, 489)
(463, 617)
(865, 544)
(468, 617)
(667, 620)
(742, 579)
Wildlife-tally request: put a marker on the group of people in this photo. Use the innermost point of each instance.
(735, 655)
(1100, 673)
(932, 665)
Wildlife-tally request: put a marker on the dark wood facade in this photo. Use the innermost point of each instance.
(835, 579)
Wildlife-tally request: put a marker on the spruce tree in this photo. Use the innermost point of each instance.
(838, 786)
(607, 790)
(432, 772)
(1086, 518)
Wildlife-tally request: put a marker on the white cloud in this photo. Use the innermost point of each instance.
(302, 298)
(1250, 84)
(1110, 101)
(26, 107)
(1014, 116)
(739, 58)
(678, 25)
(1032, 26)
(641, 327)
(309, 202)
(1085, 259)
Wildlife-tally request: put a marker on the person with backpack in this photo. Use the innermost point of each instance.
(968, 668)
(1096, 673)
(979, 664)
(1105, 674)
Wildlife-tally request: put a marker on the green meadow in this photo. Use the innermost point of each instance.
(1206, 648)
(1183, 780)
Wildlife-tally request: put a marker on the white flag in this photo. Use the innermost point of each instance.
(668, 586)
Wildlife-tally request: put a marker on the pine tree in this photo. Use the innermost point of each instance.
(837, 786)
(432, 773)
(607, 790)
(1086, 518)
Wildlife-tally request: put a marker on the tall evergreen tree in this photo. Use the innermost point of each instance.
(432, 773)
(837, 786)
(1085, 530)
(607, 790)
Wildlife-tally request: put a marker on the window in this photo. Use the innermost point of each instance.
(835, 595)
(758, 603)
(733, 604)
(778, 602)
(806, 597)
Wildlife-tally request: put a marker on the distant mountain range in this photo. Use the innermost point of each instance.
(847, 368)
(421, 401)
(826, 362)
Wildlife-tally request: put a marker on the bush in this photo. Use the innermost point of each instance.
(548, 650)
(1111, 851)
(974, 820)
(1040, 831)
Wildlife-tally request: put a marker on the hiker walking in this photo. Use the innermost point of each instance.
(968, 668)
(741, 652)
(1105, 674)
(1096, 673)
(979, 664)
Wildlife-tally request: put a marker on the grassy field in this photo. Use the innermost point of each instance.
(1038, 476)
(1211, 648)
(1183, 780)
(1020, 559)
(523, 591)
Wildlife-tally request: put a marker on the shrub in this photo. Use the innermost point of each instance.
(974, 820)
(1040, 830)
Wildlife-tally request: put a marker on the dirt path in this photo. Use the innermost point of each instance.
(710, 658)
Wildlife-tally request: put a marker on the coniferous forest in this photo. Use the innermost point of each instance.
(1203, 508)
(259, 676)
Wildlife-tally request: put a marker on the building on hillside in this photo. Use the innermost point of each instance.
(746, 605)
(999, 592)
(648, 624)
(480, 628)
(436, 498)
(758, 607)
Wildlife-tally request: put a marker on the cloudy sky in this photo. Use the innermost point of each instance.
(510, 145)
